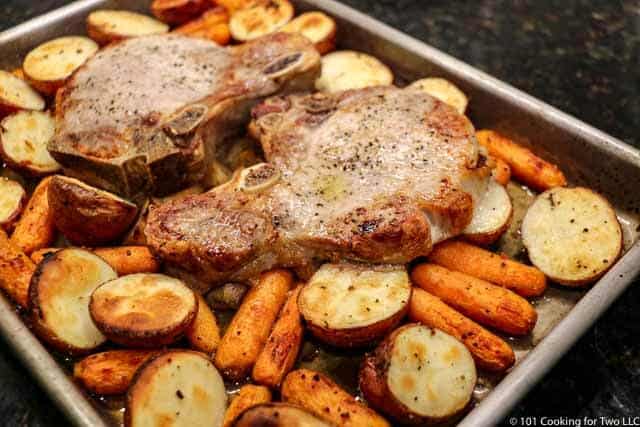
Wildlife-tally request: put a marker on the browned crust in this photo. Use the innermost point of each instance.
(176, 12)
(110, 372)
(37, 315)
(148, 368)
(361, 336)
(88, 216)
(374, 384)
(148, 338)
(274, 414)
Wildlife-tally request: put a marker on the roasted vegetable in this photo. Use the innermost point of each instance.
(106, 26)
(348, 69)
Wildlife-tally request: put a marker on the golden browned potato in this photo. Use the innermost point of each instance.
(251, 325)
(348, 69)
(325, 399)
(281, 350)
(526, 167)
(36, 227)
(477, 262)
(110, 372)
(491, 216)
(443, 90)
(143, 310)
(481, 301)
(249, 395)
(106, 26)
(317, 27)
(176, 12)
(129, 259)
(572, 235)
(59, 299)
(16, 94)
(204, 334)
(23, 142)
(12, 201)
(48, 66)
(489, 351)
(87, 215)
(179, 388)
(419, 375)
(16, 270)
(278, 415)
(259, 18)
(350, 305)
(212, 25)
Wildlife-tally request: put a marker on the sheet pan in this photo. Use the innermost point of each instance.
(588, 157)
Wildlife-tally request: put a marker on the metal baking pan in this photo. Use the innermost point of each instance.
(587, 156)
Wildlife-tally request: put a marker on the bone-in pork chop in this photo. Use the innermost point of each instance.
(143, 116)
(376, 175)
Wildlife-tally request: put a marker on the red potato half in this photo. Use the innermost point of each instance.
(491, 216)
(572, 235)
(443, 90)
(143, 310)
(176, 12)
(419, 375)
(317, 27)
(350, 305)
(87, 215)
(348, 69)
(16, 94)
(179, 388)
(59, 296)
(48, 66)
(12, 201)
(259, 18)
(23, 142)
(106, 26)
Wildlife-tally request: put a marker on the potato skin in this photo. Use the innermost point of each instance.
(36, 227)
(110, 372)
(373, 384)
(88, 216)
(176, 12)
(277, 414)
(358, 337)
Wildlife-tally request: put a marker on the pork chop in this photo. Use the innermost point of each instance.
(143, 116)
(376, 175)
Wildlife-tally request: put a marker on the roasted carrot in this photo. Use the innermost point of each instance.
(36, 228)
(249, 395)
(522, 279)
(204, 333)
(16, 270)
(501, 171)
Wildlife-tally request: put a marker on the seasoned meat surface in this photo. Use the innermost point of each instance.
(143, 115)
(377, 175)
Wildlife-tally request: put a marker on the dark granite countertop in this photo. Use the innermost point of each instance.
(582, 56)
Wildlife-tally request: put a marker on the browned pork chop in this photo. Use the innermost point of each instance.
(143, 116)
(376, 175)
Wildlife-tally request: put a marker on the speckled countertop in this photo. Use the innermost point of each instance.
(582, 56)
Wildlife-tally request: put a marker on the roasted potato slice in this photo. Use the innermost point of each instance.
(176, 12)
(348, 69)
(106, 26)
(572, 235)
(278, 415)
(36, 228)
(23, 142)
(248, 396)
(259, 18)
(87, 215)
(443, 90)
(143, 310)
(179, 388)
(350, 305)
(16, 94)
(49, 65)
(419, 375)
(491, 217)
(59, 296)
(212, 25)
(12, 201)
(110, 372)
(16, 270)
(317, 27)
(325, 399)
